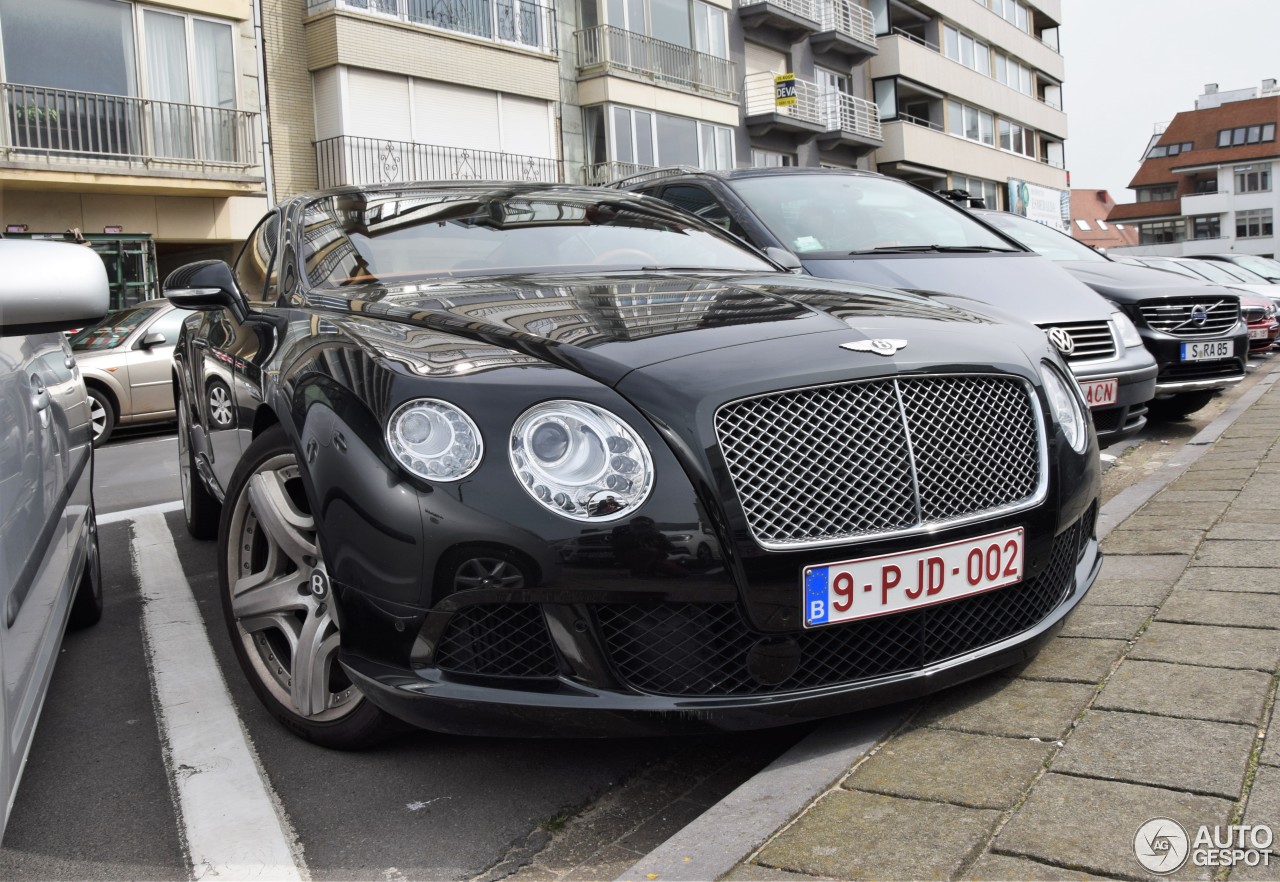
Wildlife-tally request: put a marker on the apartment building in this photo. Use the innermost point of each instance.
(1205, 183)
(135, 126)
(969, 94)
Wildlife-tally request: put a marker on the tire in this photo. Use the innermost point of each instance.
(200, 508)
(86, 605)
(221, 409)
(705, 557)
(102, 416)
(1181, 405)
(267, 539)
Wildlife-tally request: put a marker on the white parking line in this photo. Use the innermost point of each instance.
(130, 514)
(232, 827)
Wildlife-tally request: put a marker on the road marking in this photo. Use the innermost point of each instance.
(130, 514)
(229, 818)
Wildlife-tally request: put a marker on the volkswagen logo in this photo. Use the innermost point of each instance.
(879, 347)
(1062, 340)
(1199, 315)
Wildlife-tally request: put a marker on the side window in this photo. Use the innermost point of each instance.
(168, 324)
(698, 201)
(255, 268)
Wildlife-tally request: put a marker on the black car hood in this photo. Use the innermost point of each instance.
(1022, 283)
(608, 326)
(1130, 284)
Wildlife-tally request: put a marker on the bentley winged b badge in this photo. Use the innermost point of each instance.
(879, 347)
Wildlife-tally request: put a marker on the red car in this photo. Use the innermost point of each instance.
(1260, 313)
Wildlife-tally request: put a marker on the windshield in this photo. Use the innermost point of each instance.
(394, 237)
(1170, 266)
(859, 213)
(112, 330)
(1238, 272)
(1264, 266)
(1211, 271)
(1040, 238)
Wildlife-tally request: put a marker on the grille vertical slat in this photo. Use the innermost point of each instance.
(830, 463)
(1093, 340)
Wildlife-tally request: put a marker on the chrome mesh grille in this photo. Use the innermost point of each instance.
(1093, 340)
(830, 463)
(1173, 315)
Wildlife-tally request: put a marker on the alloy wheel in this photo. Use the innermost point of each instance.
(220, 405)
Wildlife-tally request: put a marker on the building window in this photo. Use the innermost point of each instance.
(1013, 12)
(1161, 232)
(1017, 138)
(1247, 135)
(973, 54)
(1253, 224)
(1253, 178)
(1161, 150)
(988, 191)
(971, 123)
(1206, 185)
(1013, 73)
(1162, 193)
(1206, 226)
(1083, 225)
(715, 146)
(771, 159)
(646, 139)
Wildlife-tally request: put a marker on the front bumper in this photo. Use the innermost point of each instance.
(680, 666)
(1135, 375)
(1177, 376)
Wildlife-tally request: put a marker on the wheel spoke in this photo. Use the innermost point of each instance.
(312, 660)
(287, 527)
(260, 595)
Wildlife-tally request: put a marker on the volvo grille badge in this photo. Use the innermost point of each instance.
(1062, 340)
(879, 347)
(1199, 315)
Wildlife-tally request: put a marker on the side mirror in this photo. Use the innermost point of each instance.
(155, 338)
(784, 258)
(50, 286)
(206, 285)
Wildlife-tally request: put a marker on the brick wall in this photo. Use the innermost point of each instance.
(292, 112)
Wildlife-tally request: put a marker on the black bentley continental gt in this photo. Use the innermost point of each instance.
(478, 429)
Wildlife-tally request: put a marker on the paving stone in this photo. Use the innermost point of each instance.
(1101, 620)
(1228, 461)
(1129, 592)
(1074, 659)
(1271, 746)
(853, 835)
(1186, 691)
(1209, 646)
(1221, 471)
(1145, 566)
(1210, 481)
(1197, 496)
(1233, 609)
(1246, 515)
(1003, 868)
(1090, 824)
(1237, 553)
(979, 771)
(1249, 580)
(1263, 807)
(1262, 498)
(1244, 530)
(1151, 541)
(1144, 521)
(1160, 751)
(1191, 513)
(1012, 708)
(755, 873)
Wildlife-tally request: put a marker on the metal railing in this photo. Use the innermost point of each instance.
(802, 8)
(607, 48)
(606, 172)
(69, 126)
(856, 116)
(932, 47)
(834, 111)
(919, 121)
(528, 23)
(349, 159)
(847, 17)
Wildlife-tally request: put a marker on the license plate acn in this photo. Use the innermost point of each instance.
(891, 583)
(1100, 393)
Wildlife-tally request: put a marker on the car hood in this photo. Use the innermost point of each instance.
(1024, 284)
(607, 326)
(1130, 284)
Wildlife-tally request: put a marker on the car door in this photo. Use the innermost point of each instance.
(151, 367)
(700, 201)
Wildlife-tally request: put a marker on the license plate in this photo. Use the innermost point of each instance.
(1207, 351)
(1258, 333)
(1099, 393)
(891, 583)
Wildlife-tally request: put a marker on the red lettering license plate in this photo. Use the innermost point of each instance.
(1100, 393)
(891, 583)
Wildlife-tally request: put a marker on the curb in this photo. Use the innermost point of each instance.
(732, 829)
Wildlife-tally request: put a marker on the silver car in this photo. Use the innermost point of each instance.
(49, 573)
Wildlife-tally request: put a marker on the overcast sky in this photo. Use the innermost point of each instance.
(1131, 64)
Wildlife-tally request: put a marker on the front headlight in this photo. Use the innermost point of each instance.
(580, 461)
(434, 440)
(1064, 402)
(1128, 331)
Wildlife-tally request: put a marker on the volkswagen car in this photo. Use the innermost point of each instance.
(438, 390)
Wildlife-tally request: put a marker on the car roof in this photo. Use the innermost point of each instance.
(662, 175)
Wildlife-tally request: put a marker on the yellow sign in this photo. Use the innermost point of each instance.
(784, 89)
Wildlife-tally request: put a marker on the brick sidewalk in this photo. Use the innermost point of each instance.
(1153, 702)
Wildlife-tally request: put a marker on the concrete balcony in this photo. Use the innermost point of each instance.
(353, 160)
(792, 17)
(836, 120)
(182, 146)
(1207, 203)
(525, 24)
(608, 50)
(847, 29)
(851, 122)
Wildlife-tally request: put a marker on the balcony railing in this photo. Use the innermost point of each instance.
(607, 48)
(527, 23)
(833, 111)
(348, 159)
(852, 115)
(802, 8)
(604, 172)
(849, 18)
(63, 126)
